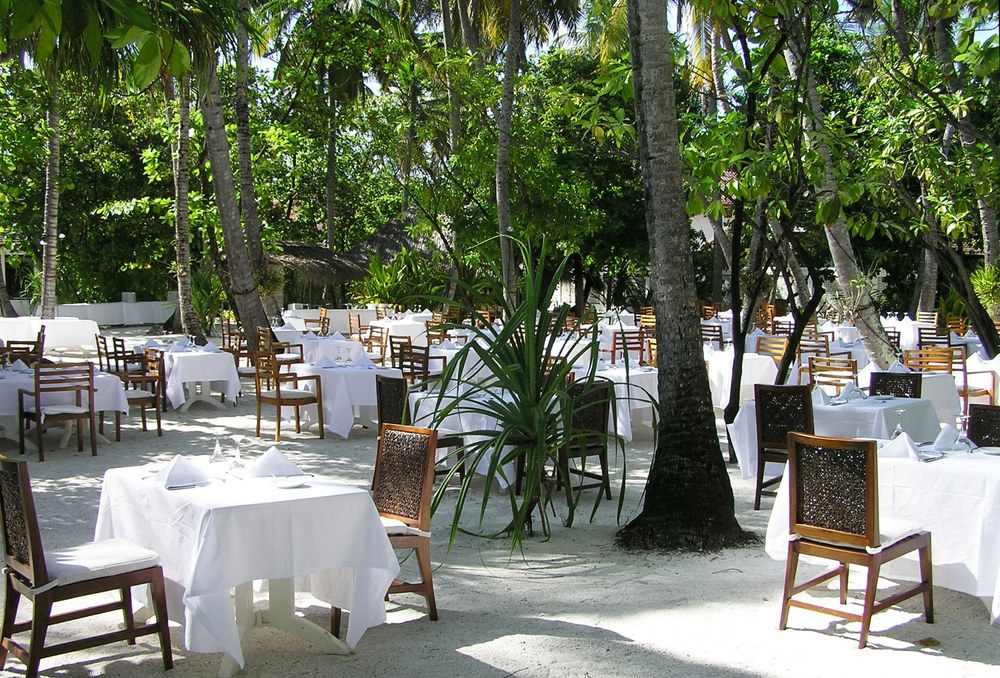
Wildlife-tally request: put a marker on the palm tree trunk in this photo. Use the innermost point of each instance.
(688, 499)
(50, 251)
(190, 322)
(928, 278)
(331, 159)
(244, 287)
(505, 117)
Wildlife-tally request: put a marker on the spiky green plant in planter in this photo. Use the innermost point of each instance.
(986, 285)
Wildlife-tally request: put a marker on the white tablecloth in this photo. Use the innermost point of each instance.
(109, 395)
(330, 349)
(344, 390)
(413, 326)
(213, 538)
(869, 418)
(200, 366)
(956, 498)
(635, 390)
(757, 369)
(59, 332)
(936, 387)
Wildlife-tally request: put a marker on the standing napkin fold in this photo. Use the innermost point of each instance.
(946, 438)
(851, 392)
(337, 336)
(273, 463)
(209, 347)
(820, 397)
(902, 447)
(181, 472)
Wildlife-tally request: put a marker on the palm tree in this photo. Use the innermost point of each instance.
(688, 499)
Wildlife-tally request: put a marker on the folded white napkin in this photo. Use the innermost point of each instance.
(209, 347)
(757, 332)
(337, 336)
(955, 339)
(899, 368)
(902, 447)
(633, 363)
(946, 438)
(19, 366)
(364, 361)
(182, 342)
(837, 343)
(288, 326)
(447, 345)
(152, 343)
(309, 335)
(407, 313)
(181, 472)
(827, 326)
(177, 347)
(851, 392)
(820, 397)
(325, 361)
(273, 463)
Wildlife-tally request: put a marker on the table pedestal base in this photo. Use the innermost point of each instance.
(202, 396)
(279, 615)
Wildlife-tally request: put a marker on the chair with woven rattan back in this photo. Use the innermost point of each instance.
(772, 346)
(897, 385)
(780, 410)
(833, 514)
(285, 389)
(832, 373)
(984, 425)
(712, 334)
(588, 437)
(402, 489)
(62, 392)
(48, 577)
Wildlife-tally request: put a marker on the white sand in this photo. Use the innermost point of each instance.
(571, 606)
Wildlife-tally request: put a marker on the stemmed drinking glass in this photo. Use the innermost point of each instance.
(963, 442)
(898, 431)
(237, 463)
(217, 454)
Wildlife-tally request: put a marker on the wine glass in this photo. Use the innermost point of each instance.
(963, 442)
(898, 431)
(347, 358)
(237, 462)
(217, 454)
(339, 358)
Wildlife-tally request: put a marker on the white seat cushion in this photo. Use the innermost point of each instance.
(395, 527)
(285, 357)
(892, 530)
(289, 394)
(63, 409)
(98, 559)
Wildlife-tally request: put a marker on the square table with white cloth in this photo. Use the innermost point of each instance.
(412, 326)
(757, 369)
(346, 389)
(316, 349)
(326, 535)
(956, 498)
(635, 390)
(213, 370)
(859, 418)
(937, 387)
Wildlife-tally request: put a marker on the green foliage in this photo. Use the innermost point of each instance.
(986, 283)
(409, 281)
(207, 296)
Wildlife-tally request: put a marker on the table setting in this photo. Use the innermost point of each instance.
(224, 524)
(348, 390)
(194, 372)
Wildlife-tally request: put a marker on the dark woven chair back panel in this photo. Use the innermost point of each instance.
(831, 488)
(592, 403)
(390, 394)
(984, 425)
(399, 479)
(898, 385)
(15, 532)
(782, 411)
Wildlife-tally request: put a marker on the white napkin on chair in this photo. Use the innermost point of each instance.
(820, 397)
(902, 447)
(209, 347)
(19, 366)
(181, 472)
(337, 336)
(273, 463)
(946, 438)
(851, 392)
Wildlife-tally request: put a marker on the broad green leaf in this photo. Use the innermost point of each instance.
(133, 12)
(125, 36)
(147, 63)
(25, 20)
(46, 44)
(92, 39)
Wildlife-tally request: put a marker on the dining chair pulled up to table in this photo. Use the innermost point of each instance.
(402, 488)
(67, 381)
(835, 373)
(283, 389)
(898, 385)
(780, 410)
(588, 438)
(48, 577)
(984, 425)
(833, 514)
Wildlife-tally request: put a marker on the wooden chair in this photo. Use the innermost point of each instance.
(392, 407)
(375, 344)
(896, 385)
(832, 372)
(928, 317)
(355, 330)
(51, 577)
(146, 391)
(706, 311)
(772, 346)
(286, 392)
(956, 324)
(234, 342)
(893, 335)
(713, 334)
(588, 437)
(807, 349)
(415, 363)
(124, 363)
(321, 324)
(651, 352)
(626, 343)
(397, 345)
(647, 321)
(984, 425)
(62, 392)
(780, 410)
(436, 331)
(928, 336)
(402, 489)
(27, 351)
(782, 328)
(287, 354)
(951, 361)
(833, 514)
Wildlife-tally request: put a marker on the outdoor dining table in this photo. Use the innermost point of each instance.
(757, 369)
(196, 368)
(319, 536)
(316, 348)
(956, 498)
(873, 417)
(348, 393)
(413, 326)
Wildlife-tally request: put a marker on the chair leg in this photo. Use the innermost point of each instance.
(277, 424)
(870, 590)
(159, 597)
(142, 409)
(159, 424)
(39, 628)
(93, 436)
(10, 603)
(426, 577)
(126, 592)
(927, 577)
(118, 425)
(791, 567)
(38, 440)
(319, 419)
(336, 615)
(258, 417)
(760, 481)
(844, 572)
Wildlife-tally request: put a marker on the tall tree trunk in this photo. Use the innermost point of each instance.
(331, 161)
(688, 499)
(927, 301)
(411, 138)
(50, 218)
(845, 263)
(454, 102)
(244, 287)
(505, 118)
(180, 160)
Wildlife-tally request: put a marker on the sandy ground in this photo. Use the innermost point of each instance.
(571, 606)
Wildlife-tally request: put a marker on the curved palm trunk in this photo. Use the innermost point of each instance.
(505, 118)
(182, 173)
(688, 500)
(244, 286)
(50, 253)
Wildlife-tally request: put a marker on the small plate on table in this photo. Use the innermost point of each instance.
(289, 482)
(883, 398)
(995, 451)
